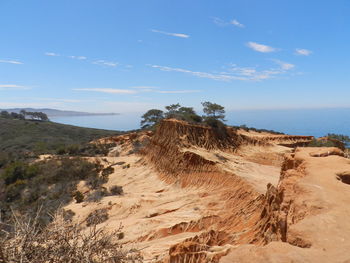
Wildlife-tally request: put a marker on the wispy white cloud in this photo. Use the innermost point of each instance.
(234, 72)
(170, 34)
(136, 90)
(78, 57)
(236, 23)
(255, 74)
(105, 63)
(145, 88)
(177, 91)
(158, 90)
(303, 52)
(220, 22)
(11, 61)
(284, 65)
(199, 74)
(13, 87)
(261, 48)
(51, 54)
(58, 100)
(100, 62)
(252, 74)
(110, 91)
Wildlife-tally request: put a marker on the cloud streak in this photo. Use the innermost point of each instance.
(78, 57)
(284, 65)
(235, 73)
(303, 52)
(261, 48)
(234, 22)
(51, 54)
(177, 91)
(109, 91)
(136, 90)
(105, 63)
(16, 62)
(99, 62)
(221, 77)
(13, 87)
(180, 35)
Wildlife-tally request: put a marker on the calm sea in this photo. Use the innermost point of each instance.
(297, 122)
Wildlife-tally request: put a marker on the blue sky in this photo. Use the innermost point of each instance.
(129, 56)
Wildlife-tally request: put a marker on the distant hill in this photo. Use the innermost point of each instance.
(18, 136)
(58, 113)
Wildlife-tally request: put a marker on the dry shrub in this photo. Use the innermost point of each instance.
(116, 190)
(97, 217)
(61, 241)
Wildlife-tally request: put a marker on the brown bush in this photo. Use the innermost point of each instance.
(116, 190)
(97, 217)
(61, 241)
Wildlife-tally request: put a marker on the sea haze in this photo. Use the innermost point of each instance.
(316, 122)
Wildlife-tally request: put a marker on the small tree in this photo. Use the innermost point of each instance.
(23, 112)
(5, 114)
(15, 115)
(38, 116)
(151, 118)
(173, 110)
(189, 114)
(42, 116)
(213, 111)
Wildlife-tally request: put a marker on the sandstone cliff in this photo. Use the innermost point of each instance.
(198, 194)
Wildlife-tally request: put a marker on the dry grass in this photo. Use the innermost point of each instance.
(61, 241)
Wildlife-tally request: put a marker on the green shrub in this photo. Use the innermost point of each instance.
(13, 191)
(97, 195)
(48, 184)
(78, 196)
(321, 143)
(14, 172)
(107, 171)
(116, 190)
(97, 217)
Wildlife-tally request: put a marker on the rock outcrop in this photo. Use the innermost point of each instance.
(197, 194)
(306, 214)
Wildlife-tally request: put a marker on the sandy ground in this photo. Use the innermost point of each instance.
(323, 202)
(156, 215)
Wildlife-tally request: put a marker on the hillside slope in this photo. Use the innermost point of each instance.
(27, 136)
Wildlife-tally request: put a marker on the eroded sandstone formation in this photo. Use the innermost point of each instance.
(198, 194)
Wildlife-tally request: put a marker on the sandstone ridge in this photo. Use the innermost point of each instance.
(200, 194)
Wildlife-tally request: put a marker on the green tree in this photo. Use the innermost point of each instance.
(151, 118)
(176, 111)
(23, 112)
(15, 115)
(38, 116)
(5, 114)
(172, 111)
(189, 114)
(213, 111)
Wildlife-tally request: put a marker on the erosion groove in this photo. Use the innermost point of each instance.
(196, 194)
(246, 217)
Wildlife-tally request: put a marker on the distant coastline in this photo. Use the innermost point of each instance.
(60, 113)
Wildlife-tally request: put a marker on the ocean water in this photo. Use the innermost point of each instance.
(316, 122)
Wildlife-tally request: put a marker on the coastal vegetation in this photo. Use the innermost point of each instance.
(31, 137)
(214, 115)
(22, 115)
